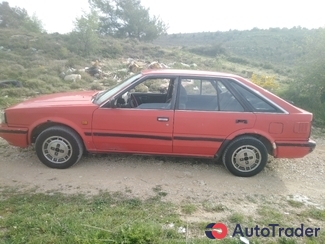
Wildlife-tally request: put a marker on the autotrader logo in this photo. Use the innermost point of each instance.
(216, 231)
(220, 231)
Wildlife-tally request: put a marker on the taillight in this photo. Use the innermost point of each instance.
(302, 127)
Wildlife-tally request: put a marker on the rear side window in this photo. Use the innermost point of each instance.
(259, 104)
(206, 95)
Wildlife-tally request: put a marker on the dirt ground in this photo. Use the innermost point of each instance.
(181, 178)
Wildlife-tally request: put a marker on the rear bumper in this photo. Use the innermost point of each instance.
(294, 149)
(14, 136)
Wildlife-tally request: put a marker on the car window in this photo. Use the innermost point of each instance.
(206, 95)
(227, 101)
(104, 95)
(258, 103)
(154, 85)
(199, 86)
(152, 93)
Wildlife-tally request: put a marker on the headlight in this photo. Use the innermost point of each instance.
(3, 119)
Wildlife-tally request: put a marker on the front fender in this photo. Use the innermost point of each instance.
(80, 129)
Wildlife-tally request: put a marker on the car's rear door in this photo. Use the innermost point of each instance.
(201, 127)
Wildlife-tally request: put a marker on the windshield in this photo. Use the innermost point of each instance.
(104, 95)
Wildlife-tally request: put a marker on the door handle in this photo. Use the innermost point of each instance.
(242, 121)
(163, 119)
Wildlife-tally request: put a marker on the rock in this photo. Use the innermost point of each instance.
(72, 77)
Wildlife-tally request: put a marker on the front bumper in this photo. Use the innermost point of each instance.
(294, 149)
(14, 136)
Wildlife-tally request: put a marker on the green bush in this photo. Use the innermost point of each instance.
(96, 87)
(238, 60)
(111, 49)
(8, 101)
(34, 83)
(136, 233)
(210, 50)
(16, 92)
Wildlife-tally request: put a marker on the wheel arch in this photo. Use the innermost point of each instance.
(268, 142)
(43, 125)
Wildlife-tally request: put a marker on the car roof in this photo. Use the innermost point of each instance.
(186, 72)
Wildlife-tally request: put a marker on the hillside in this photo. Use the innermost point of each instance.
(273, 46)
(39, 61)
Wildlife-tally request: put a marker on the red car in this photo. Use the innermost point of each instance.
(164, 112)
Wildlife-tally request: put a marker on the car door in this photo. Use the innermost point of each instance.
(209, 114)
(133, 127)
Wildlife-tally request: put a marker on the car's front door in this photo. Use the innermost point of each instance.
(135, 124)
(207, 115)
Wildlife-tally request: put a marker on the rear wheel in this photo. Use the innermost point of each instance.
(59, 147)
(245, 156)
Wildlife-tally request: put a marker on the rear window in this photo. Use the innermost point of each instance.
(259, 104)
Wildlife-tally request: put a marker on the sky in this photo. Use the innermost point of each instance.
(189, 16)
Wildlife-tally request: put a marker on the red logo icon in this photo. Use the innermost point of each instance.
(216, 231)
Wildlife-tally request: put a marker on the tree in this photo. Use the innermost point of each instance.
(18, 18)
(308, 91)
(128, 18)
(85, 34)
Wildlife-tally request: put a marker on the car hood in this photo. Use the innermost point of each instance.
(58, 99)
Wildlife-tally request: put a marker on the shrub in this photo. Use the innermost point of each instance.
(210, 50)
(236, 218)
(267, 82)
(34, 83)
(238, 60)
(138, 233)
(96, 87)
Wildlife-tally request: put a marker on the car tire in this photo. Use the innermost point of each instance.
(59, 147)
(245, 156)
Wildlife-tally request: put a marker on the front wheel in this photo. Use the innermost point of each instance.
(245, 156)
(59, 147)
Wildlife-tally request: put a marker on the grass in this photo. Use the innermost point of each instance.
(213, 207)
(189, 208)
(30, 217)
(40, 218)
(315, 213)
(236, 218)
(295, 204)
(270, 214)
